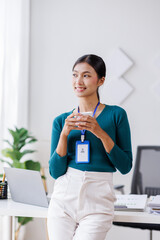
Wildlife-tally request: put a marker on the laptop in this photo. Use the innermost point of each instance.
(26, 186)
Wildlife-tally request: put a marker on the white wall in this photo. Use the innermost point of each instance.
(62, 31)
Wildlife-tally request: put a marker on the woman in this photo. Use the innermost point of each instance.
(85, 151)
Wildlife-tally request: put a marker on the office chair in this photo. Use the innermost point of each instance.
(146, 180)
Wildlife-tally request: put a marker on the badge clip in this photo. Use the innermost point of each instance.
(82, 138)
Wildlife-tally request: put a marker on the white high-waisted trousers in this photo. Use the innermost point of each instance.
(81, 206)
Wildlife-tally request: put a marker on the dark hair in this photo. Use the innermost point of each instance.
(96, 62)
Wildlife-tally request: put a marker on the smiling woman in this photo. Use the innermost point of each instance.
(85, 151)
(94, 71)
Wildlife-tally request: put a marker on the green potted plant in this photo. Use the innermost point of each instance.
(15, 152)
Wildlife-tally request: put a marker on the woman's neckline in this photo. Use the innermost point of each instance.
(99, 113)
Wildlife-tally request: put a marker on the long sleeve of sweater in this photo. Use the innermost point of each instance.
(57, 164)
(121, 153)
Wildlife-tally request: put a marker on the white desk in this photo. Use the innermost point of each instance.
(136, 217)
(11, 208)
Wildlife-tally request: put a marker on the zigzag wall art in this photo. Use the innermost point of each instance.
(117, 88)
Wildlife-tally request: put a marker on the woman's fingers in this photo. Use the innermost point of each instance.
(83, 125)
(70, 116)
(75, 114)
(74, 117)
(82, 118)
(77, 121)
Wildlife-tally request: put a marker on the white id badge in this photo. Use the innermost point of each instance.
(82, 152)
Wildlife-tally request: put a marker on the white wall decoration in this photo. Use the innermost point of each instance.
(117, 89)
(118, 63)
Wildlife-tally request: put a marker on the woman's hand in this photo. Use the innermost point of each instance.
(70, 124)
(89, 123)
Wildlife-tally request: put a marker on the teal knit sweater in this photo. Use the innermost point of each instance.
(113, 120)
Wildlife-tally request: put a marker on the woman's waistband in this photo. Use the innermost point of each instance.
(90, 174)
